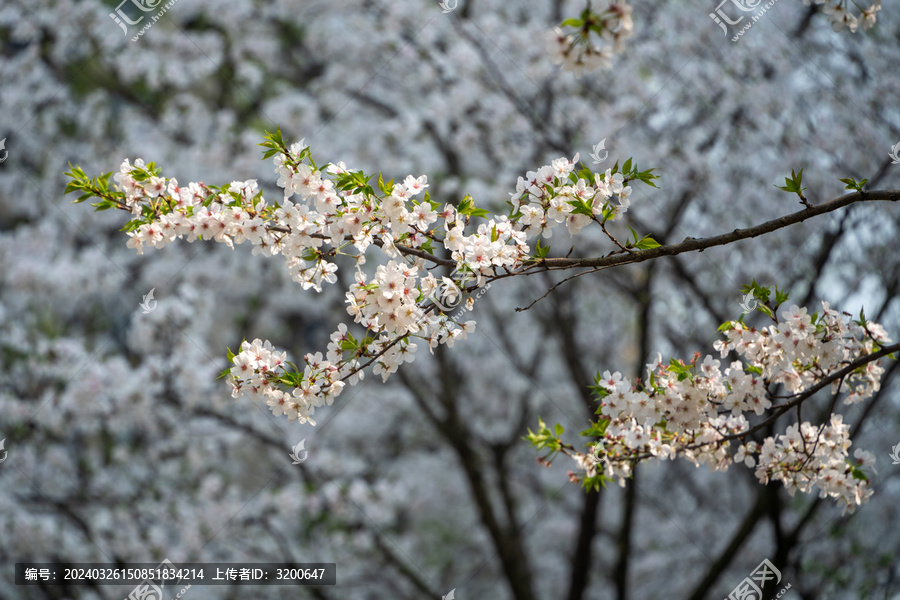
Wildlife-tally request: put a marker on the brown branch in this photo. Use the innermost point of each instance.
(419, 253)
(610, 236)
(691, 244)
(821, 384)
(698, 245)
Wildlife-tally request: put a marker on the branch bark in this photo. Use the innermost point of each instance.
(700, 244)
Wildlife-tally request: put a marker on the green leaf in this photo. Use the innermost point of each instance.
(467, 207)
(852, 184)
(597, 28)
(647, 242)
(572, 23)
(780, 296)
(310, 255)
(132, 225)
(647, 177)
(580, 207)
(585, 174)
(594, 483)
(766, 310)
(633, 233)
(544, 438)
(761, 293)
(385, 187)
(597, 429)
(793, 184)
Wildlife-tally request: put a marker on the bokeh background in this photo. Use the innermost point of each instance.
(122, 445)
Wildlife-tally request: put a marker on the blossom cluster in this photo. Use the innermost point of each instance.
(695, 410)
(577, 51)
(544, 203)
(840, 15)
(332, 211)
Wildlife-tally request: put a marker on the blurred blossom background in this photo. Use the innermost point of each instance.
(123, 447)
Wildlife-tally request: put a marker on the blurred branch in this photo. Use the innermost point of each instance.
(403, 568)
(623, 541)
(574, 359)
(507, 539)
(744, 530)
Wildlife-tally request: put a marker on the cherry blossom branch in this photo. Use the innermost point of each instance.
(798, 399)
(695, 410)
(700, 244)
(692, 244)
(444, 262)
(403, 300)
